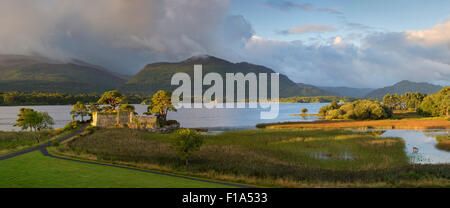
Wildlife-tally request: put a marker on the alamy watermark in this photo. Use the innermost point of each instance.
(182, 97)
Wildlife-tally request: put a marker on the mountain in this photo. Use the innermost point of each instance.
(30, 73)
(313, 89)
(157, 76)
(347, 91)
(404, 87)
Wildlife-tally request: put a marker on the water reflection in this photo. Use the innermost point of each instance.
(426, 144)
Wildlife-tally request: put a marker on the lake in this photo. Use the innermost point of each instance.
(213, 119)
(425, 141)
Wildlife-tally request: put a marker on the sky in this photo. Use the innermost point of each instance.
(355, 43)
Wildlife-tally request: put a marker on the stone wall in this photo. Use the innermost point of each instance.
(126, 119)
(142, 122)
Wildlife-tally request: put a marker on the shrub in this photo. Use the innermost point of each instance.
(323, 110)
(359, 110)
(187, 142)
(55, 143)
(71, 126)
(436, 104)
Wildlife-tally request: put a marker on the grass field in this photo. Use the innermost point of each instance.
(443, 142)
(33, 170)
(271, 157)
(11, 141)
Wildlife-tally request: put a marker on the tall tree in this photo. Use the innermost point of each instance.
(79, 109)
(161, 104)
(28, 118)
(112, 98)
(23, 120)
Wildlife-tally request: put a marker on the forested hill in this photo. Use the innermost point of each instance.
(29, 73)
(157, 76)
(404, 87)
(347, 91)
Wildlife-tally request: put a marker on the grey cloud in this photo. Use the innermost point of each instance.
(381, 59)
(120, 35)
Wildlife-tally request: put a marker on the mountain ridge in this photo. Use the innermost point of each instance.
(403, 87)
(31, 73)
(158, 75)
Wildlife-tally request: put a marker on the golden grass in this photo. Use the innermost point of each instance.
(268, 181)
(416, 124)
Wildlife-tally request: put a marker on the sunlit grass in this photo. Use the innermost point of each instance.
(10, 141)
(271, 157)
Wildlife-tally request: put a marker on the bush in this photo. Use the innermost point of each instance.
(436, 104)
(323, 110)
(359, 110)
(188, 141)
(55, 143)
(71, 126)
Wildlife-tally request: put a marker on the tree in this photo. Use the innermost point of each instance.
(79, 109)
(112, 98)
(304, 110)
(126, 108)
(436, 104)
(28, 118)
(388, 101)
(44, 121)
(23, 119)
(187, 143)
(161, 104)
(335, 105)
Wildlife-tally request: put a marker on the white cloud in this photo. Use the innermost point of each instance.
(337, 40)
(437, 35)
(381, 59)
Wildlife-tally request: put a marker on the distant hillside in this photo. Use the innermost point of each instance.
(347, 91)
(313, 89)
(28, 73)
(404, 87)
(157, 76)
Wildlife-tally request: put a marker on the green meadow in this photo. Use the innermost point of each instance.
(269, 157)
(33, 170)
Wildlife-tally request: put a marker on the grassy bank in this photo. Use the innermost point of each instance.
(33, 170)
(413, 123)
(443, 142)
(280, 157)
(13, 141)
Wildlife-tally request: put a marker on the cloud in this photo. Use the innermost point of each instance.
(437, 35)
(381, 59)
(124, 35)
(121, 35)
(288, 5)
(307, 29)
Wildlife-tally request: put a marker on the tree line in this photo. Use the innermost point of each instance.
(427, 105)
(42, 98)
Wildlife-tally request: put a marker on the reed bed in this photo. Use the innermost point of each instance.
(272, 157)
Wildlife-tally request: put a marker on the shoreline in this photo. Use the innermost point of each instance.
(407, 124)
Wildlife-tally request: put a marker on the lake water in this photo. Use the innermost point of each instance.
(425, 142)
(213, 119)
